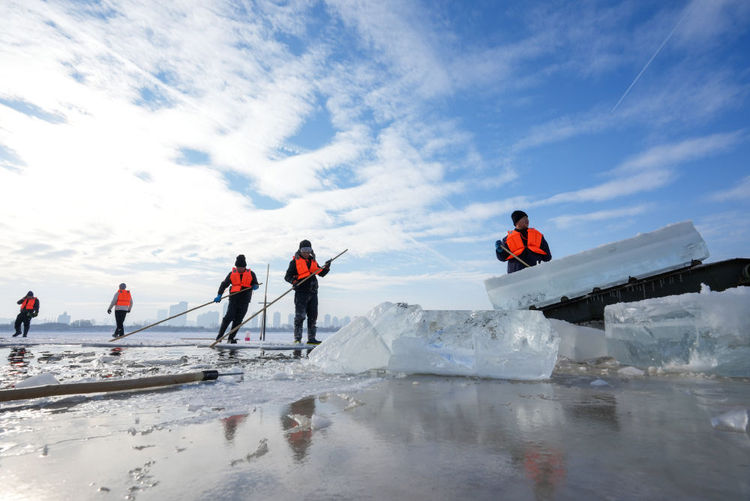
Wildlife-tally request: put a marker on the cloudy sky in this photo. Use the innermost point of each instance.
(151, 143)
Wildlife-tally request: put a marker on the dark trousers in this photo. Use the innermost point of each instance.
(305, 306)
(235, 313)
(120, 320)
(25, 319)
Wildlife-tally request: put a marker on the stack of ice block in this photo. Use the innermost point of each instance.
(705, 332)
(405, 338)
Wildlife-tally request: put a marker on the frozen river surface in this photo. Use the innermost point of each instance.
(284, 430)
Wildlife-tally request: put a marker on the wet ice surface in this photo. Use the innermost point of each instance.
(287, 431)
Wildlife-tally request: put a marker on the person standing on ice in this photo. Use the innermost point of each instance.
(122, 302)
(243, 279)
(303, 265)
(29, 309)
(528, 245)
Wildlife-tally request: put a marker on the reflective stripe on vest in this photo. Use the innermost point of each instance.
(28, 304)
(123, 298)
(516, 244)
(240, 283)
(303, 271)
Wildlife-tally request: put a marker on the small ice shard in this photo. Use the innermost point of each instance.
(599, 382)
(630, 372)
(734, 420)
(40, 380)
(407, 339)
(665, 249)
(697, 332)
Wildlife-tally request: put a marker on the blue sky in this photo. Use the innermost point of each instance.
(151, 144)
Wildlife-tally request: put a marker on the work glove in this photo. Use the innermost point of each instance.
(327, 264)
(217, 298)
(33, 315)
(109, 311)
(255, 287)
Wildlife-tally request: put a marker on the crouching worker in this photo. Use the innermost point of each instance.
(243, 281)
(29, 309)
(122, 302)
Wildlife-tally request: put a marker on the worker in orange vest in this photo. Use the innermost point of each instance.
(29, 309)
(241, 282)
(523, 246)
(303, 265)
(122, 302)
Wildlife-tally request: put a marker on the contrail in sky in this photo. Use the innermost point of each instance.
(679, 21)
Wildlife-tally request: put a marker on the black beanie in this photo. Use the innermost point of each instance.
(517, 215)
(30, 294)
(305, 243)
(240, 261)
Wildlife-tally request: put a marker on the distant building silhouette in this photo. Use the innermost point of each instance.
(255, 321)
(335, 322)
(174, 309)
(346, 321)
(327, 321)
(276, 319)
(64, 318)
(290, 320)
(208, 319)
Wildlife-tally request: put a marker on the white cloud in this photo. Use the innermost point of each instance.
(568, 220)
(740, 192)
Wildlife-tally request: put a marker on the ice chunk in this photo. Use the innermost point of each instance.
(704, 332)
(407, 339)
(40, 380)
(630, 371)
(669, 248)
(734, 420)
(579, 343)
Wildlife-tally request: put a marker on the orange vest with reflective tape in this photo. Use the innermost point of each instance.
(240, 283)
(303, 271)
(28, 303)
(123, 298)
(516, 244)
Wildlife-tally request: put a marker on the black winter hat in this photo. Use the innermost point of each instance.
(305, 244)
(30, 294)
(517, 215)
(240, 261)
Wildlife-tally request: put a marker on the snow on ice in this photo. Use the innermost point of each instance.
(659, 251)
(404, 338)
(706, 332)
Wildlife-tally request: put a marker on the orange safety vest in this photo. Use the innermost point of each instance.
(516, 244)
(303, 271)
(28, 303)
(240, 283)
(123, 298)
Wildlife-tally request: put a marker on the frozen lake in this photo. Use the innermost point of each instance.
(285, 430)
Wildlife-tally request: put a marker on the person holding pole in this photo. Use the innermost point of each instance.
(29, 309)
(524, 246)
(243, 279)
(303, 265)
(122, 302)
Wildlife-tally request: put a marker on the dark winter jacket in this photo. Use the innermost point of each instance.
(531, 258)
(247, 293)
(309, 285)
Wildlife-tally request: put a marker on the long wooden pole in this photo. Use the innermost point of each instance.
(509, 252)
(235, 329)
(170, 318)
(265, 302)
(52, 390)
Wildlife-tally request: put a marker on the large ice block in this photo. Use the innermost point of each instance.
(669, 248)
(579, 343)
(701, 332)
(405, 338)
